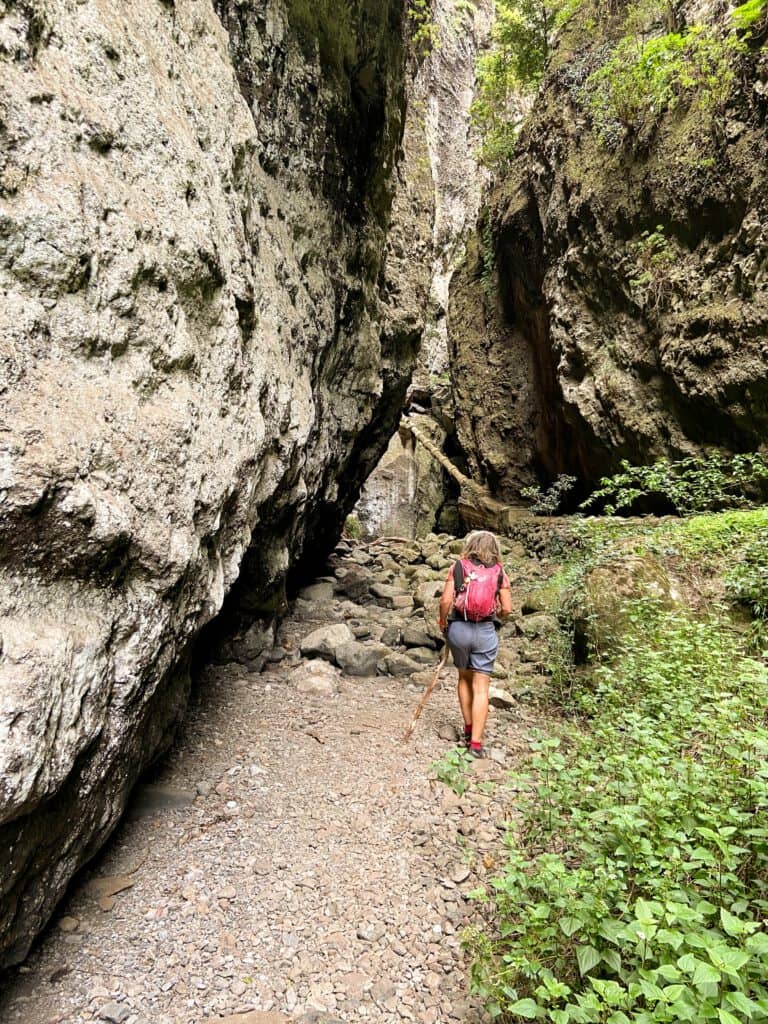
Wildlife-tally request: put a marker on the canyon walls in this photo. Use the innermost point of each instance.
(207, 334)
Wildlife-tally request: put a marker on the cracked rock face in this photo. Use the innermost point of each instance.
(584, 349)
(198, 360)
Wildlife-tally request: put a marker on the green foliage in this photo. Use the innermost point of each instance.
(643, 79)
(695, 484)
(637, 883)
(548, 501)
(425, 34)
(751, 15)
(488, 271)
(352, 527)
(452, 769)
(654, 257)
(513, 66)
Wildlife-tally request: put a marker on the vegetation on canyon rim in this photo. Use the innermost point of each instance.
(653, 65)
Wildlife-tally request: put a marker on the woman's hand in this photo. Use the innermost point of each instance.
(442, 623)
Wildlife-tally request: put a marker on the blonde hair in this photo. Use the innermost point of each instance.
(482, 544)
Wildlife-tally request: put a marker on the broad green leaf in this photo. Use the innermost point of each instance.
(527, 1008)
(732, 925)
(742, 1003)
(587, 958)
(569, 925)
(726, 1017)
(705, 974)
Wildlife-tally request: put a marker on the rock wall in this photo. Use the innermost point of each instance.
(204, 347)
(407, 490)
(561, 362)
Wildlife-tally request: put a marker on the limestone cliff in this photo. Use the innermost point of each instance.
(204, 346)
(571, 347)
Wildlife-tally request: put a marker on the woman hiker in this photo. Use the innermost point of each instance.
(476, 597)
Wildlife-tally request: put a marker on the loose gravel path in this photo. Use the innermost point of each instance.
(293, 860)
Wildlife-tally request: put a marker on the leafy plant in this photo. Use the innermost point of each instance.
(452, 769)
(425, 33)
(514, 66)
(695, 484)
(547, 501)
(352, 527)
(644, 79)
(654, 258)
(753, 14)
(636, 888)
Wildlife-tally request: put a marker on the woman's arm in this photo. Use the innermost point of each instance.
(446, 603)
(505, 603)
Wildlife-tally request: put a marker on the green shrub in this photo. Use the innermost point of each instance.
(751, 15)
(549, 500)
(352, 528)
(513, 66)
(637, 882)
(655, 257)
(644, 79)
(695, 484)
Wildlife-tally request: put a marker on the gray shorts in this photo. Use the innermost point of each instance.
(473, 645)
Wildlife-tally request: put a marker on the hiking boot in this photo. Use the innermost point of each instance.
(476, 751)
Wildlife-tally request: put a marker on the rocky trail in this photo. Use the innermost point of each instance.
(292, 860)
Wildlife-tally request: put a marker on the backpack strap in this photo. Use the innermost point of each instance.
(458, 575)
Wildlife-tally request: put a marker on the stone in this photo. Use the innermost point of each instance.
(416, 633)
(500, 698)
(115, 1013)
(316, 676)
(68, 924)
(317, 592)
(427, 592)
(322, 642)
(537, 625)
(391, 635)
(356, 659)
(250, 1017)
(386, 594)
(398, 665)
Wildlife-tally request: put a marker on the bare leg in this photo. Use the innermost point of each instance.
(479, 689)
(465, 694)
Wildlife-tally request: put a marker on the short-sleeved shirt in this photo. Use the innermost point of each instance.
(455, 574)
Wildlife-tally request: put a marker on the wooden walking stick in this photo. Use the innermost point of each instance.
(427, 692)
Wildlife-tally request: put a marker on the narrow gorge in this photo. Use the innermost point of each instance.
(294, 294)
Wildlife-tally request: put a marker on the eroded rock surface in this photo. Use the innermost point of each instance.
(204, 345)
(572, 348)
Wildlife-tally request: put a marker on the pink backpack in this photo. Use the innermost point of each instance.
(476, 597)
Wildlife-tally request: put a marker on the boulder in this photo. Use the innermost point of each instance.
(323, 642)
(427, 592)
(316, 676)
(398, 665)
(317, 592)
(386, 594)
(417, 633)
(357, 659)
